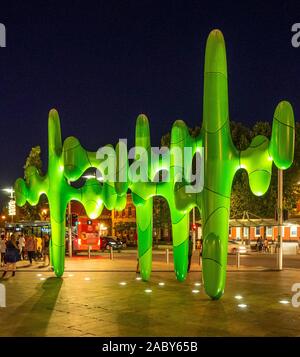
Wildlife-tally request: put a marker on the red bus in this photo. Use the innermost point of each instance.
(87, 235)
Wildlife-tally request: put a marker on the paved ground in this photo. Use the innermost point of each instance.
(94, 303)
(251, 260)
(126, 260)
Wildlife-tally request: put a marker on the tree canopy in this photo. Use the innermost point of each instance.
(242, 198)
(32, 213)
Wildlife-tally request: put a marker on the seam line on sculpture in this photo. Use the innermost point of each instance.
(176, 142)
(176, 246)
(70, 147)
(217, 193)
(214, 260)
(258, 145)
(145, 252)
(260, 170)
(208, 218)
(221, 127)
(151, 238)
(178, 220)
(136, 194)
(292, 127)
(216, 72)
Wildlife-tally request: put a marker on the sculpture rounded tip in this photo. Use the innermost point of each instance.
(180, 276)
(53, 111)
(283, 136)
(142, 117)
(216, 33)
(213, 278)
(145, 274)
(215, 53)
(58, 272)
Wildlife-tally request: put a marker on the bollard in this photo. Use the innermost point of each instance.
(89, 252)
(111, 253)
(2, 295)
(167, 255)
(238, 259)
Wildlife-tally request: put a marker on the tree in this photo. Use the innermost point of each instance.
(264, 206)
(32, 213)
(166, 140)
(241, 135)
(242, 198)
(33, 159)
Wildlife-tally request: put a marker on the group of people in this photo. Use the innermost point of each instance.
(14, 248)
(262, 245)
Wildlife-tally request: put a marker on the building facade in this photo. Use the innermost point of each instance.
(123, 222)
(290, 231)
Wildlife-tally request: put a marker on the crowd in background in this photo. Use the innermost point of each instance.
(263, 245)
(15, 247)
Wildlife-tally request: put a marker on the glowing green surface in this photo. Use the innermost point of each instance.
(69, 161)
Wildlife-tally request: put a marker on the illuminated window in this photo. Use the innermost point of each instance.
(293, 231)
(257, 231)
(246, 232)
(269, 232)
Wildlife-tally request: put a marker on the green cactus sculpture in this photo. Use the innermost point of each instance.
(221, 160)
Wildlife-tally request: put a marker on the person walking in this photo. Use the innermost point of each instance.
(266, 245)
(190, 251)
(22, 246)
(259, 244)
(11, 256)
(30, 248)
(2, 249)
(46, 243)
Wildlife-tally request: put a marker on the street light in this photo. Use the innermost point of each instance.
(280, 219)
(9, 190)
(12, 203)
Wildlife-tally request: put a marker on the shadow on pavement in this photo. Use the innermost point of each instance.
(42, 304)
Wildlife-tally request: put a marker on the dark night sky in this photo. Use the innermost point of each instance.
(101, 63)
